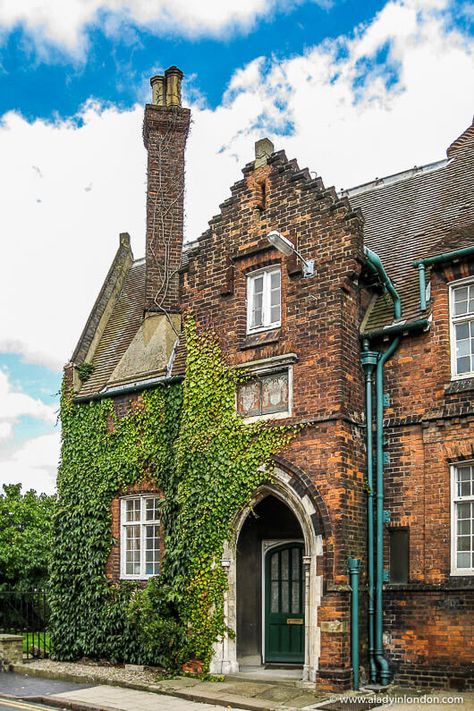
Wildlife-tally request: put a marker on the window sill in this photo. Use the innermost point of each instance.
(254, 340)
(269, 416)
(460, 385)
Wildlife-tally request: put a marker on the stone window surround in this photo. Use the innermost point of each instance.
(268, 366)
(455, 571)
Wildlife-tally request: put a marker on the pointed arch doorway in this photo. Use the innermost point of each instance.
(275, 530)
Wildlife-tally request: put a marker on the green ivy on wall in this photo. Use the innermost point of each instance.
(189, 440)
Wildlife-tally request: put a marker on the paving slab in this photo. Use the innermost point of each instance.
(112, 697)
(303, 701)
(182, 682)
(232, 687)
(252, 689)
(279, 693)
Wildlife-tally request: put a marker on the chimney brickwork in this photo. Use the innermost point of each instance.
(165, 131)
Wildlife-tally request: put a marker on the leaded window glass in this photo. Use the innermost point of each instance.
(264, 394)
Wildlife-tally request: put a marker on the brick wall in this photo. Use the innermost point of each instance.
(429, 426)
(319, 323)
(430, 633)
(165, 131)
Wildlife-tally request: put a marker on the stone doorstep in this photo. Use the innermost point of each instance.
(259, 679)
(219, 697)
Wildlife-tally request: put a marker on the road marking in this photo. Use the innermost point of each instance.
(22, 705)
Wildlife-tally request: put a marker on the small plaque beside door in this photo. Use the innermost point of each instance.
(295, 621)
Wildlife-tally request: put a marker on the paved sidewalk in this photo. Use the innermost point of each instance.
(136, 691)
(235, 692)
(113, 697)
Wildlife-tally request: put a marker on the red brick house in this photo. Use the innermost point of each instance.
(346, 334)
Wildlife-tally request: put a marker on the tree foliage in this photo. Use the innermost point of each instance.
(25, 537)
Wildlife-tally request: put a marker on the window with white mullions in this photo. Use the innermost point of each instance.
(462, 329)
(264, 299)
(140, 537)
(463, 518)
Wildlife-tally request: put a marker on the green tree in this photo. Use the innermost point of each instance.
(25, 537)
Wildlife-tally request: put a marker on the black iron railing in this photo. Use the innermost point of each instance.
(26, 614)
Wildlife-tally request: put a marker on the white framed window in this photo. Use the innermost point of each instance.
(139, 537)
(462, 519)
(266, 395)
(462, 329)
(264, 299)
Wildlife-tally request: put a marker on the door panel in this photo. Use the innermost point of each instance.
(284, 604)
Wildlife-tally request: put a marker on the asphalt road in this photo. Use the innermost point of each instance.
(11, 705)
(22, 685)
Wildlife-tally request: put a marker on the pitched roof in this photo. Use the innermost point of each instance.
(414, 215)
(411, 215)
(121, 327)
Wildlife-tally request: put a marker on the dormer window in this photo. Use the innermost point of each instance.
(264, 299)
(462, 329)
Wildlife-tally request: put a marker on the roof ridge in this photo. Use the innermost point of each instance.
(466, 137)
(393, 178)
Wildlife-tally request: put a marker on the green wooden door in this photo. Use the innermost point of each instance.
(284, 604)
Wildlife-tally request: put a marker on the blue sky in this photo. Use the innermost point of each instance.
(353, 89)
(115, 68)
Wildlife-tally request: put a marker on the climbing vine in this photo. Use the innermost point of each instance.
(191, 443)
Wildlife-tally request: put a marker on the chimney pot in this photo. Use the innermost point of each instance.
(173, 77)
(158, 90)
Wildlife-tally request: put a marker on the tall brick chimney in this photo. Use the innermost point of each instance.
(165, 130)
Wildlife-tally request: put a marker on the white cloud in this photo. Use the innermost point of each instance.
(348, 125)
(60, 225)
(34, 464)
(6, 430)
(62, 23)
(15, 404)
